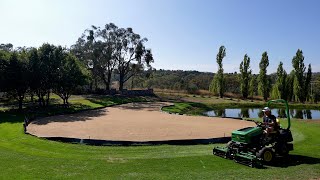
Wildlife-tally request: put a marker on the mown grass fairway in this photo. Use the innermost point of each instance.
(27, 157)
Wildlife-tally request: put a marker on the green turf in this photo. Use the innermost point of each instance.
(27, 157)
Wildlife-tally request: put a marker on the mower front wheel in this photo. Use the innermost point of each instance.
(266, 154)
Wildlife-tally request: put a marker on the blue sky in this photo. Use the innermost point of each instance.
(183, 34)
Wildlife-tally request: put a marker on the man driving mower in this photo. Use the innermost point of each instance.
(269, 122)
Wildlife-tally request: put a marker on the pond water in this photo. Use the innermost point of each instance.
(257, 113)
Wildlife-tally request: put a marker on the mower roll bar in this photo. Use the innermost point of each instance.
(287, 109)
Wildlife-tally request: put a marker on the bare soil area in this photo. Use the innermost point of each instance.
(134, 122)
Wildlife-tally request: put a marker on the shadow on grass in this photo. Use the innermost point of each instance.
(11, 117)
(72, 117)
(16, 116)
(32, 112)
(295, 160)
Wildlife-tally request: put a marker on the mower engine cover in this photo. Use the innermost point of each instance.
(246, 135)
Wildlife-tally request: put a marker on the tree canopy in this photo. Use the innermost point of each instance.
(113, 50)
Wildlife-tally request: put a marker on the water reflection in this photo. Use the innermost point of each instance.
(220, 112)
(299, 114)
(257, 113)
(260, 113)
(282, 113)
(308, 114)
(244, 113)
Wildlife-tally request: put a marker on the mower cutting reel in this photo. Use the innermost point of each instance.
(251, 147)
(246, 158)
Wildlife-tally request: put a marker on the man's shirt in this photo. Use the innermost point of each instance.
(269, 119)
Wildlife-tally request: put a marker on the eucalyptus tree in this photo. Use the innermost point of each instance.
(6, 47)
(130, 49)
(111, 50)
(106, 39)
(85, 50)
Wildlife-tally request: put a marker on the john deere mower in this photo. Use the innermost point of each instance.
(250, 146)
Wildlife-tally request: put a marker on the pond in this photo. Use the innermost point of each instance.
(257, 113)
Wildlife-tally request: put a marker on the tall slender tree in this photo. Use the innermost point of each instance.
(245, 74)
(252, 86)
(289, 86)
(280, 89)
(218, 83)
(264, 81)
(301, 80)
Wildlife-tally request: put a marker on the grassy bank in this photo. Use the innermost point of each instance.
(27, 157)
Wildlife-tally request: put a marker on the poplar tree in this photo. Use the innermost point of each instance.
(245, 73)
(264, 81)
(218, 83)
(301, 83)
(252, 85)
(280, 90)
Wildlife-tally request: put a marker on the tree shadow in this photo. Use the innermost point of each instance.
(11, 117)
(294, 160)
(72, 117)
(36, 112)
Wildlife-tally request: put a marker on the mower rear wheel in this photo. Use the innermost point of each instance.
(266, 154)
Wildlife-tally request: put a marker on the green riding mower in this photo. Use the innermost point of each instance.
(250, 146)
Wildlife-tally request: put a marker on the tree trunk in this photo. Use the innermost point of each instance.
(109, 80)
(31, 97)
(107, 83)
(132, 82)
(96, 84)
(121, 82)
(91, 86)
(20, 103)
(48, 98)
(40, 99)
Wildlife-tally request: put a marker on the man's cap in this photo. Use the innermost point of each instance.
(266, 109)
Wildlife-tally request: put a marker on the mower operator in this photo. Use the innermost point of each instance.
(269, 121)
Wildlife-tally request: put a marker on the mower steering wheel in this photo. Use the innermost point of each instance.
(258, 123)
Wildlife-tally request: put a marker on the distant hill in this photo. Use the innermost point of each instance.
(187, 80)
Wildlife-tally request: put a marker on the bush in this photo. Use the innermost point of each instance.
(192, 89)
